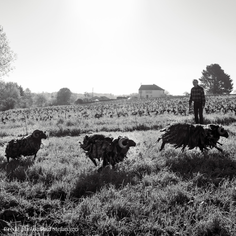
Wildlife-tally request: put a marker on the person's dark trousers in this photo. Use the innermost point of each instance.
(198, 109)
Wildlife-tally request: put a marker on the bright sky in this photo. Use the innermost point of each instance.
(114, 46)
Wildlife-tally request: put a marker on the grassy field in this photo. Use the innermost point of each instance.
(150, 193)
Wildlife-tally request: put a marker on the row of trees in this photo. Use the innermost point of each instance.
(13, 96)
(10, 95)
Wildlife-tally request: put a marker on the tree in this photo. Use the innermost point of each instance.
(215, 80)
(6, 54)
(26, 98)
(9, 95)
(40, 100)
(186, 94)
(63, 96)
(167, 93)
(79, 101)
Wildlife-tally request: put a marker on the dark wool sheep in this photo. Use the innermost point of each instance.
(110, 151)
(26, 146)
(192, 136)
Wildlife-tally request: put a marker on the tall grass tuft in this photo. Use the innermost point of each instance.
(219, 119)
(151, 192)
(212, 226)
(215, 165)
(92, 182)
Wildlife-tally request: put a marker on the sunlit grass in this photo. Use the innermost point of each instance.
(149, 193)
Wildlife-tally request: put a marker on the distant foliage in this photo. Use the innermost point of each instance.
(9, 95)
(216, 81)
(13, 96)
(26, 100)
(40, 100)
(6, 54)
(64, 96)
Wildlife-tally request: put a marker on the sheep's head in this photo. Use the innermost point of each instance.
(222, 132)
(85, 141)
(219, 130)
(38, 134)
(124, 142)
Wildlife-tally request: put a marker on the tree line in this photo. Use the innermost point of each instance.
(13, 96)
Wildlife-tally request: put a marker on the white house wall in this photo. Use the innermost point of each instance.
(151, 93)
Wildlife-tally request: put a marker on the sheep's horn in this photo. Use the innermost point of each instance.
(35, 134)
(121, 141)
(221, 130)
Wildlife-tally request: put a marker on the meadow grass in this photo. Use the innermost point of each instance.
(149, 193)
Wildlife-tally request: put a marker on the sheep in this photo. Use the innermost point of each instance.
(111, 151)
(26, 146)
(95, 145)
(182, 135)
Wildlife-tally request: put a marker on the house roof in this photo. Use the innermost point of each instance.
(150, 87)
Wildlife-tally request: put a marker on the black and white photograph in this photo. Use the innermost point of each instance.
(117, 117)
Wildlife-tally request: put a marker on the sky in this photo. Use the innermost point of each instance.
(114, 46)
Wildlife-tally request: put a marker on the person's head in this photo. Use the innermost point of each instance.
(195, 82)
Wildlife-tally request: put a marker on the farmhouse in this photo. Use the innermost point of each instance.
(151, 91)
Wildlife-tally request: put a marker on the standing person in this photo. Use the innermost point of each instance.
(198, 97)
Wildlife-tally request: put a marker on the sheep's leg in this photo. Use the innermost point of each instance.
(218, 148)
(100, 169)
(162, 145)
(93, 160)
(105, 162)
(183, 148)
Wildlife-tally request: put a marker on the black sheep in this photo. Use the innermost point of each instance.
(192, 136)
(110, 151)
(26, 146)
